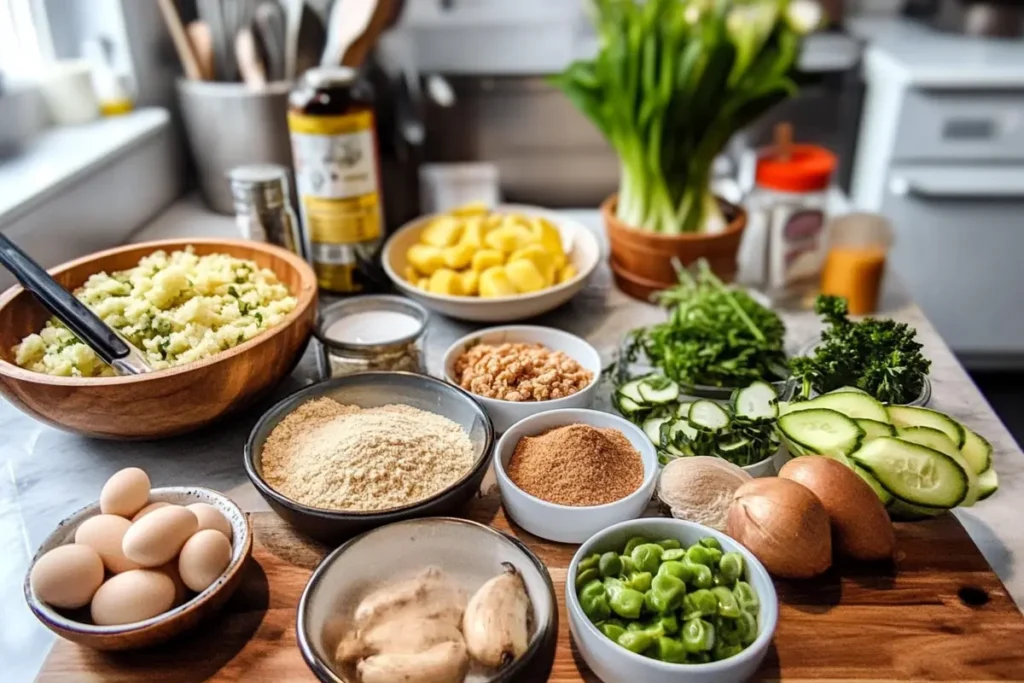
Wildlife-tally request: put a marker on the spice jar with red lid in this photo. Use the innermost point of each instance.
(788, 211)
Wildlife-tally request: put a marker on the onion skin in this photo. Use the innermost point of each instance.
(784, 525)
(861, 528)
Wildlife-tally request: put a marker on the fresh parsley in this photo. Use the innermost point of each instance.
(881, 357)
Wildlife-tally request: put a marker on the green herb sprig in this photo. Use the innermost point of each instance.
(881, 357)
(715, 335)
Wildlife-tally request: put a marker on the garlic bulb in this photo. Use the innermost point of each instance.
(700, 489)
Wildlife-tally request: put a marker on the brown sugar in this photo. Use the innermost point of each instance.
(577, 465)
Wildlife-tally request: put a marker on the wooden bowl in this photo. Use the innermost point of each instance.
(164, 626)
(167, 402)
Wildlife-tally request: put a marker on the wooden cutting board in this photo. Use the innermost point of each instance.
(939, 614)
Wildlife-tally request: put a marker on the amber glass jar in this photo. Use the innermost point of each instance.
(337, 172)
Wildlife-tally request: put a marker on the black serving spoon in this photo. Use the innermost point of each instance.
(86, 325)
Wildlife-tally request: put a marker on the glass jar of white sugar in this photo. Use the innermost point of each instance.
(376, 332)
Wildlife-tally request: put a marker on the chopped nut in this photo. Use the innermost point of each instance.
(520, 372)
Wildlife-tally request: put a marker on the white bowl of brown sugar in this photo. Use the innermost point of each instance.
(515, 371)
(564, 475)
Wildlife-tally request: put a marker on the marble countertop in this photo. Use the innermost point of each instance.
(46, 474)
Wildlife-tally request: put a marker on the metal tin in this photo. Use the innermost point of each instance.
(263, 208)
(403, 353)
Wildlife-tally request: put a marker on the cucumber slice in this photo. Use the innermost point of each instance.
(683, 410)
(708, 416)
(988, 482)
(628, 406)
(821, 431)
(759, 401)
(910, 416)
(631, 390)
(977, 451)
(679, 432)
(874, 429)
(658, 390)
(901, 509)
(933, 438)
(879, 490)
(851, 404)
(916, 474)
(848, 390)
(652, 428)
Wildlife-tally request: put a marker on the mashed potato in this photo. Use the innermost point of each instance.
(175, 308)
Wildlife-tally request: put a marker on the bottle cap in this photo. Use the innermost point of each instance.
(803, 168)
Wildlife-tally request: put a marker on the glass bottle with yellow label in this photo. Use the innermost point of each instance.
(334, 147)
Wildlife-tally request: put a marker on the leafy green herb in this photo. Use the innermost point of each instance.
(259, 317)
(879, 356)
(715, 335)
(672, 82)
(232, 291)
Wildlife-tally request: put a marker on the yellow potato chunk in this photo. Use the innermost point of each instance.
(459, 256)
(508, 238)
(411, 275)
(425, 258)
(494, 282)
(567, 273)
(492, 221)
(445, 281)
(471, 209)
(546, 233)
(540, 257)
(487, 258)
(423, 283)
(473, 233)
(525, 276)
(470, 283)
(442, 232)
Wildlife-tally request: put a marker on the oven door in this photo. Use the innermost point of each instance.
(960, 251)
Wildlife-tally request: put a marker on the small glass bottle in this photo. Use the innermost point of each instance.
(334, 145)
(263, 208)
(787, 215)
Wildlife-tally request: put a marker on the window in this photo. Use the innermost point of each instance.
(24, 37)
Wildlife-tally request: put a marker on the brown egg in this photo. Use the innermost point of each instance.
(104, 533)
(149, 508)
(132, 596)
(67, 576)
(125, 493)
(203, 559)
(156, 538)
(211, 518)
(180, 589)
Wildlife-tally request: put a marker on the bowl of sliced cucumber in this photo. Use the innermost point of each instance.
(740, 429)
(919, 461)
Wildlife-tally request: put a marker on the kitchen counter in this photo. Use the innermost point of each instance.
(46, 474)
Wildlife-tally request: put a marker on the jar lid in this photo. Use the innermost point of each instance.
(260, 186)
(807, 168)
(367, 324)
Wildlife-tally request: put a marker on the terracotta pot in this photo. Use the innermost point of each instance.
(644, 258)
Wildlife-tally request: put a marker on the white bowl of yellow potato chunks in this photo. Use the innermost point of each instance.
(499, 264)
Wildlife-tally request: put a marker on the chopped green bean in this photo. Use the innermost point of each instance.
(610, 564)
(698, 635)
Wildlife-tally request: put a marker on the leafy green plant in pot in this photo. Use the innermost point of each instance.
(671, 83)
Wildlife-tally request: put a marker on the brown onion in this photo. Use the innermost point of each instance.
(784, 525)
(860, 525)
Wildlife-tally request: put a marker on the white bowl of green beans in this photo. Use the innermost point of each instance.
(705, 612)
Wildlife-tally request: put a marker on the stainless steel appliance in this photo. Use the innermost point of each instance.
(941, 154)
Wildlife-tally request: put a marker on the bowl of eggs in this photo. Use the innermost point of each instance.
(140, 565)
(499, 264)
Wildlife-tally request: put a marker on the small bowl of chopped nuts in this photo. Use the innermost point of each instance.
(516, 371)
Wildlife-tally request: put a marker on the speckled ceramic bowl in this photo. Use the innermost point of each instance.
(468, 552)
(164, 626)
(368, 390)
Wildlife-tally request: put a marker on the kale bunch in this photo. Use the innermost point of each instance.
(715, 335)
(880, 357)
